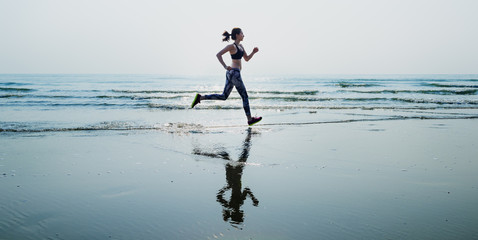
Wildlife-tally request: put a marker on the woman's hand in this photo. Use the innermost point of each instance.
(248, 57)
(228, 68)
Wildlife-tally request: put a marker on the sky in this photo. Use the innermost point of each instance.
(293, 37)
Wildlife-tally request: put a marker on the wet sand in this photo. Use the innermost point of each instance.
(404, 179)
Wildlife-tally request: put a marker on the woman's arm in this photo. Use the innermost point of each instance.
(248, 57)
(228, 48)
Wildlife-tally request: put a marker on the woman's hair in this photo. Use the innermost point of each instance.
(232, 35)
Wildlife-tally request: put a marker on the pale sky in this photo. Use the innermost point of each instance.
(294, 37)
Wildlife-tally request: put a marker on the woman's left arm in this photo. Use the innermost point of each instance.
(248, 57)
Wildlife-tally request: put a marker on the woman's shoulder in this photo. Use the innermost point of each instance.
(230, 46)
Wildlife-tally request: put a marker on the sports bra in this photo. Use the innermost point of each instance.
(238, 54)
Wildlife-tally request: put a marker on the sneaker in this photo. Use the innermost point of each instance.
(254, 120)
(197, 100)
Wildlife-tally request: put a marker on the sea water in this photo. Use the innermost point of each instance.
(335, 157)
(66, 102)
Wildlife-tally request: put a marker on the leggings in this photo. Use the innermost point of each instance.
(233, 79)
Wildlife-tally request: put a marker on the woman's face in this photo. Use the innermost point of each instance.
(240, 36)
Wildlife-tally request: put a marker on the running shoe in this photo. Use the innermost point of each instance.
(197, 100)
(254, 120)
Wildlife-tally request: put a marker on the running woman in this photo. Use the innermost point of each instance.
(233, 73)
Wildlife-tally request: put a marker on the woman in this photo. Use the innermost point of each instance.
(233, 74)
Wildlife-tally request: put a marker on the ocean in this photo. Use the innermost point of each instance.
(335, 157)
(66, 102)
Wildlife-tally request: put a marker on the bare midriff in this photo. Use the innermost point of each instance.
(236, 63)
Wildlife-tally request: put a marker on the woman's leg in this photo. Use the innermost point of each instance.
(241, 89)
(227, 89)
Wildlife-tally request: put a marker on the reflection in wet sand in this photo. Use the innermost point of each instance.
(232, 207)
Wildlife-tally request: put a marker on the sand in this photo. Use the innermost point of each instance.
(403, 179)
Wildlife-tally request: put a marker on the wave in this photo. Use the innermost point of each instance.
(352, 85)
(259, 102)
(311, 107)
(109, 126)
(444, 85)
(371, 99)
(11, 96)
(436, 101)
(199, 128)
(89, 97)
(13, 83)
(47, 104)
(153, 91)
(305, 92)
(433, 92)
(139, 97)
(39, 96)
(10, 89)
(372, 120)
(75, 129)
(315, 92)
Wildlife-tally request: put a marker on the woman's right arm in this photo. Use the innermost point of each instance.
(220, 53)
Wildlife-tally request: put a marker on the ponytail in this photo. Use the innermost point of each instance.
(232, 35)
(226, 36)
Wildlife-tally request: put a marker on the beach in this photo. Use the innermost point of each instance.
(102, 165)
(412, 179)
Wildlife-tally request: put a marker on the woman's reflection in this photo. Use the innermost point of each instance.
(232, 208)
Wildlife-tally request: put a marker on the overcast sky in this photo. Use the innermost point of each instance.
(294, 37)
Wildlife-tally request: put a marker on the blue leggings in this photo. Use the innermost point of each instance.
(233, 79)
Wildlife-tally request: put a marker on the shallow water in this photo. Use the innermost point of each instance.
(408, 179)
(88, 166)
